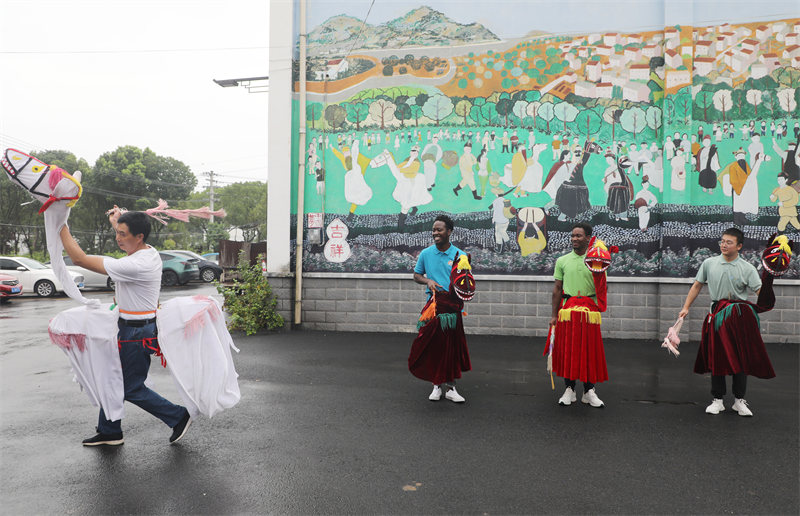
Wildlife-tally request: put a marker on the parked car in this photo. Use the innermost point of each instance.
(209, 271)
(91, 279)
(35, 276)
(178, 269)
(211, 257)
(9, 287)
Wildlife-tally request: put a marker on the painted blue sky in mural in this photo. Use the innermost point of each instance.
(514, 18)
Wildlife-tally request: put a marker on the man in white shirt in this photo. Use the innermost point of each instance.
(137, 279)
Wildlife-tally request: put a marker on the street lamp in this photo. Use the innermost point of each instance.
(253, 84)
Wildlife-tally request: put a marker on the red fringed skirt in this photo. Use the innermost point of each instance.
(736, 347)
(578, 351)
(440, 355)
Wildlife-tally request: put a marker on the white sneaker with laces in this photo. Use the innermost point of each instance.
(568, 398)
(591, 398)
(740, 406)
(436, 393)
(716, 407)
(454, 396)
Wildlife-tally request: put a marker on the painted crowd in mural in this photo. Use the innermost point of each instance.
(660, 139)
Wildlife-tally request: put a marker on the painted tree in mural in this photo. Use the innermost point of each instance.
(633, 120)
(382, 111)
(403, 111)
(705, 100)
(520, 110)
(611, 116)
(438, 107)
(786, 100)
(531, 109)
(504, 108)
(313, 112)
(754, 98)
(565, 112)
(463, 108)
(475, 113)
(788, 77)
(588, 122)
(653, 118)
(416, 103)
(722, 101)
(357, 112)
(546, 113)
(335, 115)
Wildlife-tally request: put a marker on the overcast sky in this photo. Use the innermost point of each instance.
(88, 76)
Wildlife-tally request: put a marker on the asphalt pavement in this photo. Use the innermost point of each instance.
(333, 423)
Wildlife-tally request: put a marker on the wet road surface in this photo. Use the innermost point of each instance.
(333, 423)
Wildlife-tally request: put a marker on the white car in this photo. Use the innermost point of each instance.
(91, 279)
(35, 276)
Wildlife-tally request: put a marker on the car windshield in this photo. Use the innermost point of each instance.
(31, 264)
(189, 254)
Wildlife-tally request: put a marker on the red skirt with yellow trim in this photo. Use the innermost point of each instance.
(439, 354)
(578, 352)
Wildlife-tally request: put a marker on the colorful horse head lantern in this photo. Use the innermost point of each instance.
(44, 182)
(461, 280)
(777, 255)
(598, 257)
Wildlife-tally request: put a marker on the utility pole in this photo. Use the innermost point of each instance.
(210, 176)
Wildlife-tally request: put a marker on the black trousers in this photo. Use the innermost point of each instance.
(571, 383)
(739, 385)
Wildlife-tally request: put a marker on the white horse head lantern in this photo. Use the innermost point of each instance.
(46, 183)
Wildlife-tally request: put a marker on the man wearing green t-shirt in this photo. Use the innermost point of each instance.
(578, 349)
(731, 343)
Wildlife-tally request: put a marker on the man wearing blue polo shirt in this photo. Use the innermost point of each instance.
(433, 268)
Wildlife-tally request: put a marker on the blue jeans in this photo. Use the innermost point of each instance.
(135, 359)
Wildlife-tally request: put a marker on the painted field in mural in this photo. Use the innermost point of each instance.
(659, 138)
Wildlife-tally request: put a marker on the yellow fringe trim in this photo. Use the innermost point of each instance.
(592, 317)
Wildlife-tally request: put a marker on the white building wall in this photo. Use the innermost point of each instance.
(279, 142)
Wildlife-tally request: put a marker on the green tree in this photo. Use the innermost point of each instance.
(246, 208)
(565, 112)
(463, 108)
(546, 112)
(705, 101)
(633, 120)
(313, 112)
(504, 107)
(588, 122)
(438, 107)
(653, 118)
(335, 115)
(403, 113)
(611, 116)
(357, 112)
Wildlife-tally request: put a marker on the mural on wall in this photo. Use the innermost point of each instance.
(660, 138)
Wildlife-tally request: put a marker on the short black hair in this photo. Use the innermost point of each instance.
(587, 228)
(448, 222)
(735, 232)
(138, 223)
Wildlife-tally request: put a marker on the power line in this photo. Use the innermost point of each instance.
(144, 51)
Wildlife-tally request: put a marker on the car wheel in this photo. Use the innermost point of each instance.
(110, 283)
(208, 275)
(44, 288)
(169, 278)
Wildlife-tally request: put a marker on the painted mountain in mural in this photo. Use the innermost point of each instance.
(419, 27)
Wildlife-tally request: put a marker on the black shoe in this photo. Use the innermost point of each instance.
(104, 439)
(179, 430)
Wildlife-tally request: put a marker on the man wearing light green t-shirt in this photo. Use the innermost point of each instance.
(729, 279)
(574, 280)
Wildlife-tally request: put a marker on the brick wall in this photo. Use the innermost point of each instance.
(518, 305)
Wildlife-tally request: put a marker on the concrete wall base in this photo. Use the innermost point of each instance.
(640, 308)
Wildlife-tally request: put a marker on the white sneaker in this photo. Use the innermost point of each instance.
(436, 393)
(716, 407)
(568, 398)
(591, 398)
(454, 396)
(740, 406)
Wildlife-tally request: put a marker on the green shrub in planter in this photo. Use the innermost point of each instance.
(250, 302)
